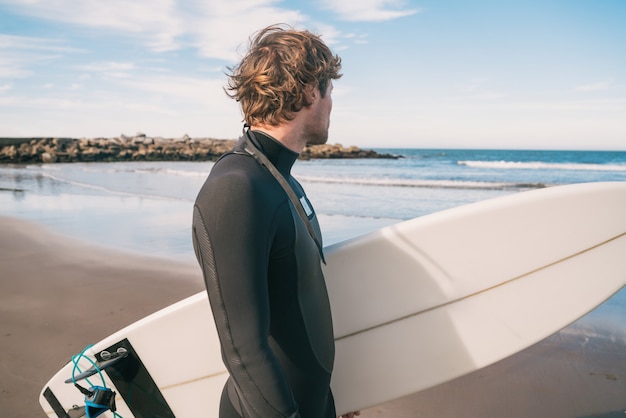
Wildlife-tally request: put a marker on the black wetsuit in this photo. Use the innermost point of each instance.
(267, 292)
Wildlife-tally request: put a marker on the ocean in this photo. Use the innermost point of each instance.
(145, 207)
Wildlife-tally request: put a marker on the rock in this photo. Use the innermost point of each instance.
(144, 148)
(8, 153)
(48, 158)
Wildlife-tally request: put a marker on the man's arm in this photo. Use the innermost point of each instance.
(231, 235)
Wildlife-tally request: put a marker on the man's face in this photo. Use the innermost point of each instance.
(316, 129)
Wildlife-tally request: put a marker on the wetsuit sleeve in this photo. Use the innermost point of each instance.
(232, 234)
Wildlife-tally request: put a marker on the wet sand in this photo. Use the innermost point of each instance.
(58, 295)
(560, 377)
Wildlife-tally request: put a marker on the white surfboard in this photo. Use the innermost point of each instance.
(414, 305)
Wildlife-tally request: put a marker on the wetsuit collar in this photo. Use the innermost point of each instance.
(282, 157)
(249, 145)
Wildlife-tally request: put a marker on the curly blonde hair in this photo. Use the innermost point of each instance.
(271, 79)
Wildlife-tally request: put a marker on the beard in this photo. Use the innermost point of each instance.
(317, 139)
(316, 133)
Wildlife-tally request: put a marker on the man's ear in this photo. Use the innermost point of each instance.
(311, 94)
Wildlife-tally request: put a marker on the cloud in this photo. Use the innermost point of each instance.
(21, 53)
(216, 28)
(155, 20)
(359, 39)
(41, 104)
(599, 86)
(220, 28)
(11, 69)
(369, 10)
(197, 90)
(159, 103)
(29, 43)
(490, 95)
(109, 69)
(476, 89)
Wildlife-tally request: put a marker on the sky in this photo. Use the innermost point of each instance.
(531, 74)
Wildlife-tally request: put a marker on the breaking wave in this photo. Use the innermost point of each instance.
(537, 165)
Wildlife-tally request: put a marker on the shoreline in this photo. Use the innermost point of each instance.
(59, 294)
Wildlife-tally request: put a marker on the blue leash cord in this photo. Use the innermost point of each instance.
(76, 359)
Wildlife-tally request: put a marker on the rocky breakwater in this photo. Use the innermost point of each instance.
(143, 148)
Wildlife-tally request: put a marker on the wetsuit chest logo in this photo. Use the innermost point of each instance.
(305, 205)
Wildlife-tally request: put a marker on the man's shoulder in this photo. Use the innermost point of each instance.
(239, 187)
(240, 176)
(237, 167)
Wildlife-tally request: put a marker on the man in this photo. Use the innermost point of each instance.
(257, 238)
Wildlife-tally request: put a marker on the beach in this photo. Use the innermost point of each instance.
(88, 248)
(59, 294)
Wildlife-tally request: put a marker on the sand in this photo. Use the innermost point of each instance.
(57, 295)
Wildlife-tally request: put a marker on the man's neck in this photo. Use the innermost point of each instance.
(289, 134)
